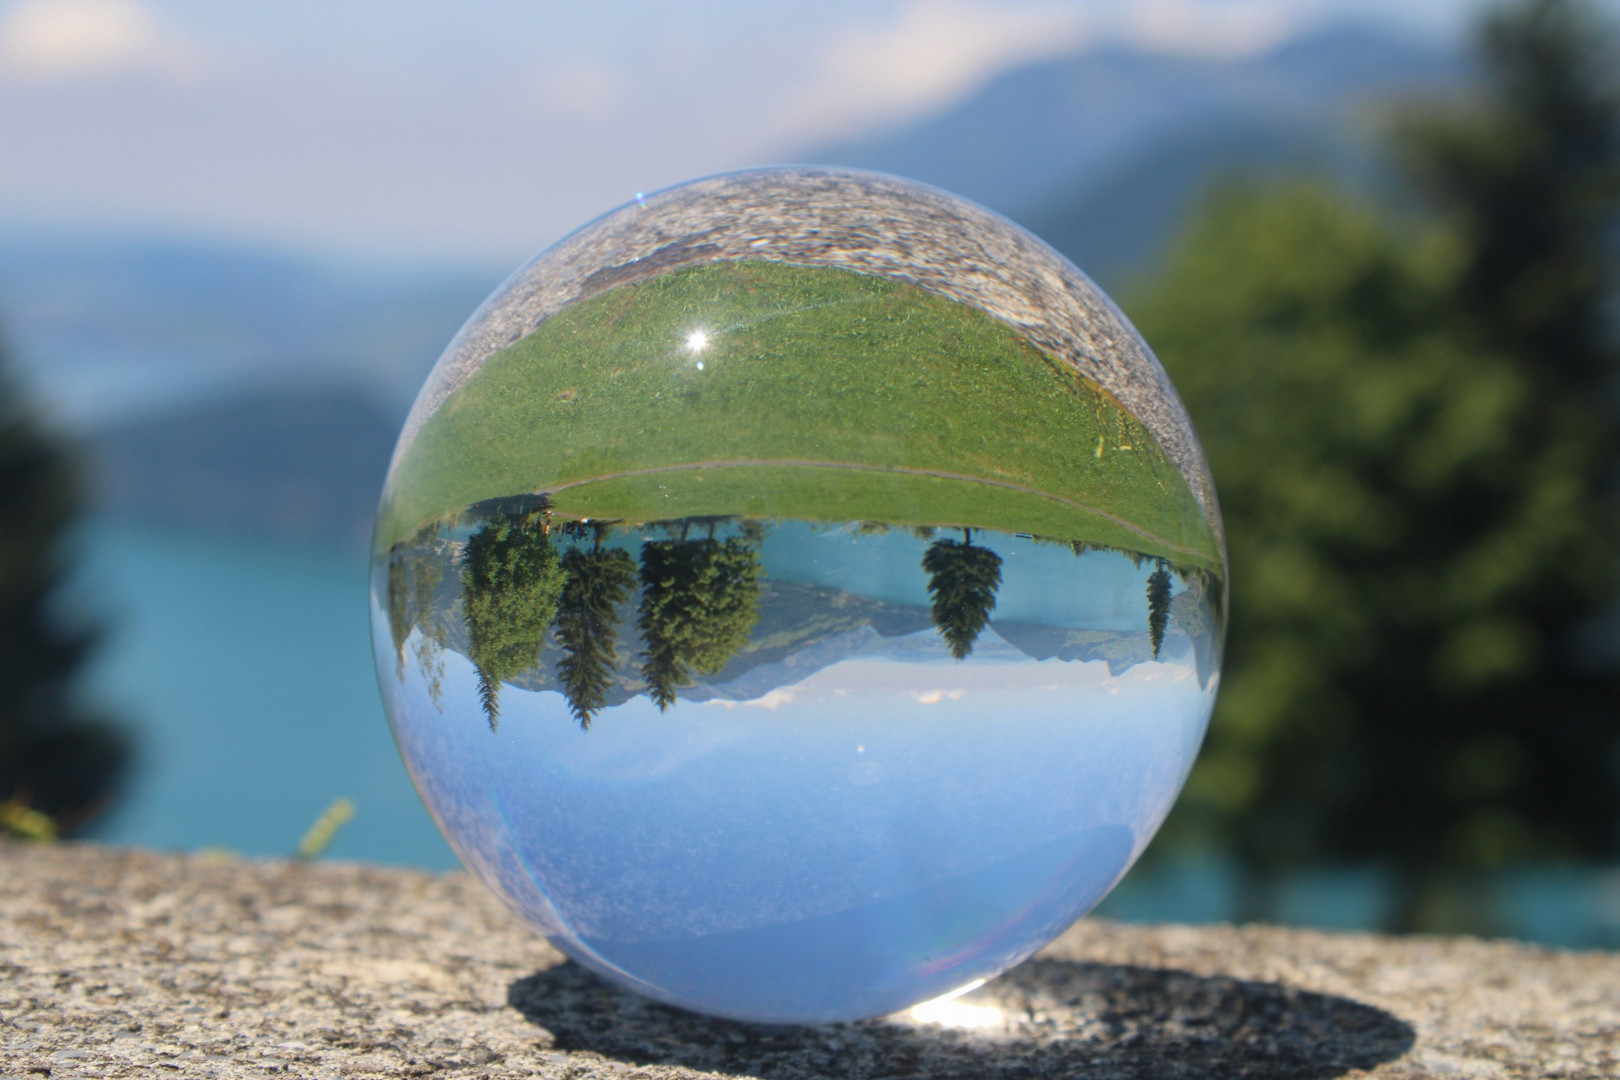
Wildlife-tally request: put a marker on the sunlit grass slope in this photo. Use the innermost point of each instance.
(774, 390)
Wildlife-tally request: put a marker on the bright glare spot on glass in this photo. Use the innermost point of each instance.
(697, 341)
(947, 1011)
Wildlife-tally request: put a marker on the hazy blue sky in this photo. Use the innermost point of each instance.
(485, 128)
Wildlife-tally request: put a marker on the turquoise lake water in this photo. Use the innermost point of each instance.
(244, 671)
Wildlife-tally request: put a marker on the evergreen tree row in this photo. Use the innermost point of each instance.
(698, 602)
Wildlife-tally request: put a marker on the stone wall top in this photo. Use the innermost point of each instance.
(121, 963)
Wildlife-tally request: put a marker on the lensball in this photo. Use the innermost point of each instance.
(798, 593)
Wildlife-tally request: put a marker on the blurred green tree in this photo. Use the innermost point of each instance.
(1413, 429)
(58, 765)
(1528, 178)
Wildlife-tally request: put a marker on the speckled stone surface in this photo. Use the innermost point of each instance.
(861, 221)
(119, 963)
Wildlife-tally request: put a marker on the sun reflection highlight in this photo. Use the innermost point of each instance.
(697, 341)
(948, 1011)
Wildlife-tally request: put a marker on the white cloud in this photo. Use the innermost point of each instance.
(929, 53)
(64, 39)
(773, 699)
(1198, 28)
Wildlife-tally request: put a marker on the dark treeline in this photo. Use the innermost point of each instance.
(59, 763)
(699, 602)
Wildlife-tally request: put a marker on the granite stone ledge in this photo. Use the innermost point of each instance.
(120, 963)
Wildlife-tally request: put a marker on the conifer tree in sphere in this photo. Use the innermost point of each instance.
(511, 581)
(1158, 598)
(587, 624)
(962, 582)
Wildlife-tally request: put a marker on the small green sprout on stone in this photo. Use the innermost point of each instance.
(19, 819)
(321, 834)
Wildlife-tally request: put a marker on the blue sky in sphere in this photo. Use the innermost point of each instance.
(483, 130)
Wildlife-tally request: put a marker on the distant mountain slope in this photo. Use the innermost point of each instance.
(297, 462)
(1116, 225)
(1133, 134)
(109, 326)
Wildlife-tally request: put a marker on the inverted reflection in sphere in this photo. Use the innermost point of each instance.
(799, 594)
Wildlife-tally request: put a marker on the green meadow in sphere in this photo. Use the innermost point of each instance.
(798, 593)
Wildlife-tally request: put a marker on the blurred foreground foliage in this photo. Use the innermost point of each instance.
(1413, 425)
(58, 765)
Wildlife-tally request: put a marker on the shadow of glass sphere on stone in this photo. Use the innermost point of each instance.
(1043, 1018)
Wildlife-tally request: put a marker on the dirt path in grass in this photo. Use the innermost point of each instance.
(939, 474)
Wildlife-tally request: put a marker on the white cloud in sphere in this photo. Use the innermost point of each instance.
(64, 39)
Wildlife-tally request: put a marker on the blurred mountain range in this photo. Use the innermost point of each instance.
(1101, 154)
(107, 327)
(293, 462)
(262, 391)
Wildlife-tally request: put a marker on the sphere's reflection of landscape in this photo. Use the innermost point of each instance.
(798, 593)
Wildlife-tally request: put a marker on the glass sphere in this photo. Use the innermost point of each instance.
(798, 593)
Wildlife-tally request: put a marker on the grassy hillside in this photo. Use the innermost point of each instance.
(774, 390)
